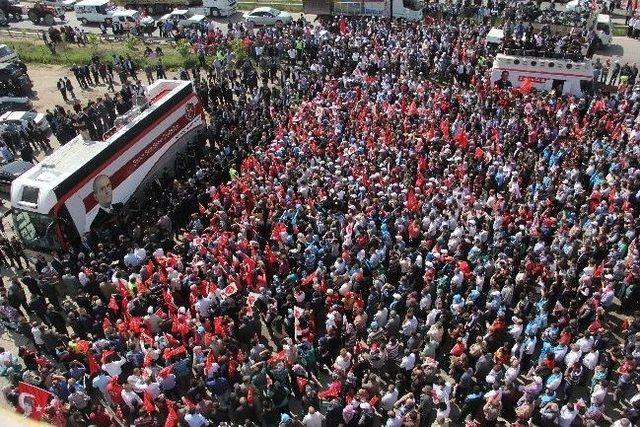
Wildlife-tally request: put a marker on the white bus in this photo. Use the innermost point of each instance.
(565, 76)
(80, 185)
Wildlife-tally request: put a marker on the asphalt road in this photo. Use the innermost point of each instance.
(70, 19)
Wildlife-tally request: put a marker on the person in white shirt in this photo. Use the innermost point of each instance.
(313, 418)
(573, 356)
(408, 361)
(130, 397)
(195, 419)
(568, 413)
(599, 393)
(114, 368)
(410, 325)
(131, 260)
(590, 360)
(343, 361)
(389, 398)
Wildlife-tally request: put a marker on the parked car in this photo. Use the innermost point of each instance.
(60, 5)
(184, 18)
(94, 11)
(268, 16)
(7, 54)
(15, 103)
(14, 80)
(21, 120)
(10, 171)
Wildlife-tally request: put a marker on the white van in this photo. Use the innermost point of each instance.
(95, 11)
(125, 20)
(565, 76)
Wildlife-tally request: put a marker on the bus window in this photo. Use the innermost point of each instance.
(603, 27)
(37, 231)
(30, 194)
(412, 4)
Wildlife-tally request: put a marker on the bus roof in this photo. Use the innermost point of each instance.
(69, 164)
(548, 66)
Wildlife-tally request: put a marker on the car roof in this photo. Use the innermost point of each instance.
(13, 115)
(264, 9)
(14, 99)
(179, 12)
(127, 12)
(92, 2)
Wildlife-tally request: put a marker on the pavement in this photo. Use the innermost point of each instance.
(70, 19)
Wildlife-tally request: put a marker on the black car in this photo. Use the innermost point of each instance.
(15, 103)
(14, 80)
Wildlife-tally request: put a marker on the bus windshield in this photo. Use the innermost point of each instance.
(36, 230)
(413, 4)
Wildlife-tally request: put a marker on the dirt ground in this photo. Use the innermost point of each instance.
(47, 96)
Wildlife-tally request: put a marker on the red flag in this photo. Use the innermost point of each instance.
(309, 279)
(150, 268)
(527, 86)
(148, 404)
(218, 328)
(479, 153)
(106, 354)
(92, 364)
(32, 400)
(412, 202)
(113, 304)
(278, 228)
(211, 358)
(232, 367)
(462, 138)
(444, 128)
(83, 346)
(165, 371)
(135, 324)
(172, 414)
(413, 108)
(106, 323)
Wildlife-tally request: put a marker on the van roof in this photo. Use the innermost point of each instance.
(92, 2)
(604, 19)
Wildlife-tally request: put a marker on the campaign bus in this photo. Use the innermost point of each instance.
(76, 188)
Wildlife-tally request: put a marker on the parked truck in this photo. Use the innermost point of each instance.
(408, 9)
(214, 8)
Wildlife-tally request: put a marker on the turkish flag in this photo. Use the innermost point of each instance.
(113, 304)
(32, 400)
(172, 414)
(92, 364)
(148, 404)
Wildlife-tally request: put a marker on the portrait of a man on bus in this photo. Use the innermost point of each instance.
(103, 192)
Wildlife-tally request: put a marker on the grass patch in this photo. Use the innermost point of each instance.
(35, 52)
(619, 30)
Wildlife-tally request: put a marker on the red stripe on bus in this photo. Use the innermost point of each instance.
(145, 154)
(542, 72)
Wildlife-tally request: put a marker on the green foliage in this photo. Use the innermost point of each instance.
(132, 44)
(183, 48)
(93, 41)
(239, 51)
(35, 52)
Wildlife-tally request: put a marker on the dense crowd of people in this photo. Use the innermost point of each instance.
(368, 232)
